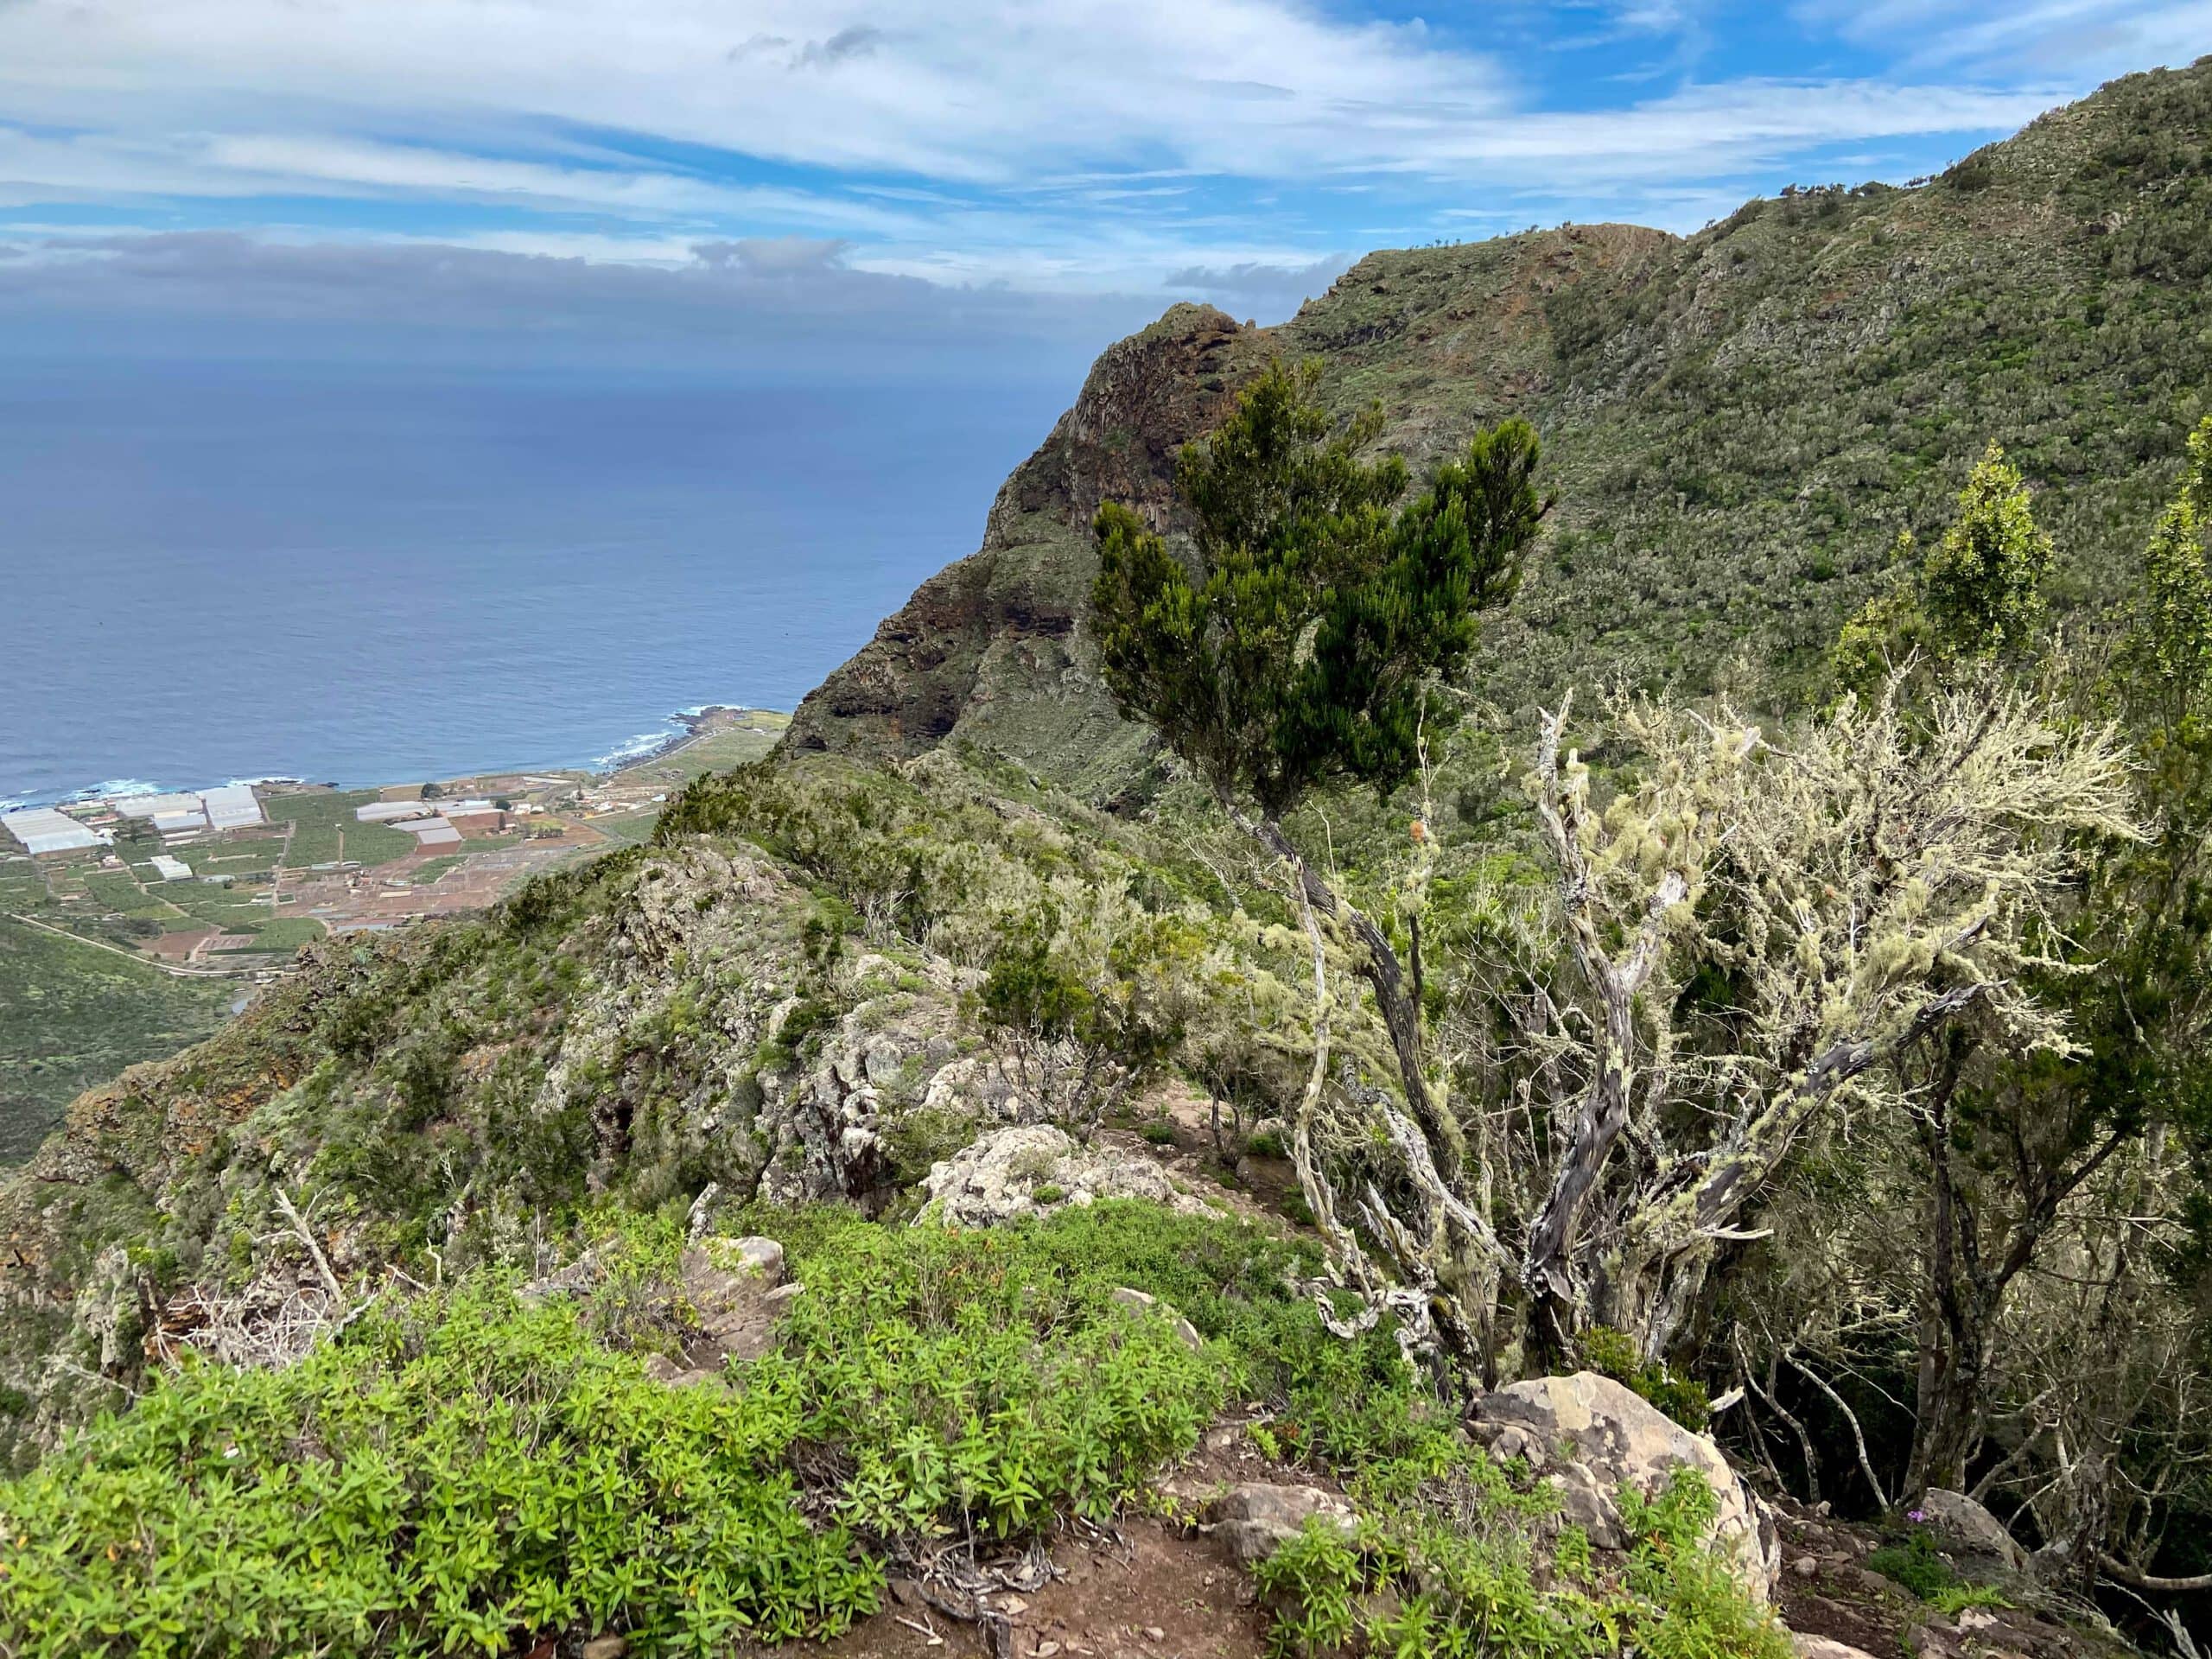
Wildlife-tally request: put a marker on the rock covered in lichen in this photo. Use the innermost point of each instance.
(1034, 1168)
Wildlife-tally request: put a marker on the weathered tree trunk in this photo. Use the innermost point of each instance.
(1556, 1306)
(1377, 964)
(1443, 1284)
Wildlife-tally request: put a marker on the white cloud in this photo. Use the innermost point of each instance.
(1090, 146)
(785, 305)
(2076, 38)
(970, 94)
(899, 85)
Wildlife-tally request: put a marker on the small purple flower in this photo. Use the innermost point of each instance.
(1916, 1515)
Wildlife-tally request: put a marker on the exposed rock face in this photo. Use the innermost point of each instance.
(1970, 1526)
(999, 631)
(1771, 345)
(998, 1179)
(1607, 1436)
(732, 1289)
(1257, 1519)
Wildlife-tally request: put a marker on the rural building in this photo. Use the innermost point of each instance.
(43, 830)
(432, 832)
(171, 869)
(232, 807)
(390, 812)
(155, 806)
(180, 824)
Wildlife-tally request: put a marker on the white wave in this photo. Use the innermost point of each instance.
(112, 788)
(635, 749)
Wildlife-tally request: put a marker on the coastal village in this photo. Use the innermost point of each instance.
(231, 881)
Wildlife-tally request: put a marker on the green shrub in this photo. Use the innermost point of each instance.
(1916, 1565)
(462, 1469)
(1456, 1561)
(1049, 1193)
(1955, 1600)
(1159, 1131)
(1612, 1353)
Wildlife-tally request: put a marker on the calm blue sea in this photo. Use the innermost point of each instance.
(208, 574)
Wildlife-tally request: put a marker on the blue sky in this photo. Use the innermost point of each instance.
(758, 179)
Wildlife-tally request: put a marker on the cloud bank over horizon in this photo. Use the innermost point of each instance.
(779, 182)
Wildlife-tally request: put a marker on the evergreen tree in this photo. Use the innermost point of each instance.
(1294, 647)
(1976, 595)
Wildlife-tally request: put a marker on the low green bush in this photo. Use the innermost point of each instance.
(463, 1469)
(1451, 1573)
(1915, 1564)
(1955, 1600)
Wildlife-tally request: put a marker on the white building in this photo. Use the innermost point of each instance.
(432, 832)
(153, 806)
(171, 869)
(180, 824)
(392, 812)
(43, 830)
(232, 807)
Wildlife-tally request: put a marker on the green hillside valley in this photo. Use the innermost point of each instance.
(1521, 969)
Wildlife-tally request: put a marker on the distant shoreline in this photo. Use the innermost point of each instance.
(690, 722)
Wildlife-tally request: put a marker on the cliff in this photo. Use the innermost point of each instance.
(1738, 422)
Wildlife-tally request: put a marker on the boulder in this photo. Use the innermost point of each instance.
(997, 1179)
(1256, 1519)
(1610, 1438)
(1967, 1525)
(1824, 1647)
(1185, 1330)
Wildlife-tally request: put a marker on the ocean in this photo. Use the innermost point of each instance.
(209, 574)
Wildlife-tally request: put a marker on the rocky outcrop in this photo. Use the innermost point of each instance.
(1592, 1437)
(1034, 1169)
(1823, 1646)
(998, 632)
(1963, 1522)
(1145, 1302)
(1258, 1518)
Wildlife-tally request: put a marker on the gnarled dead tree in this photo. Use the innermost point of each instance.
(1751, 925)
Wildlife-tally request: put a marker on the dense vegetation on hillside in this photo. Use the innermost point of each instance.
(73, 1015)
(1739, 424)
(1804, 1024)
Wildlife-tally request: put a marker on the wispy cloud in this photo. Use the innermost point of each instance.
(1089, 148)
(2072, 38)
(773, 306)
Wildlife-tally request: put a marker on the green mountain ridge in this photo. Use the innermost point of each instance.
(1738, 423)
(964, 898)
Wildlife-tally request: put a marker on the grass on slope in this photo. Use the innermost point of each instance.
(462, 1471)
(73, 1015)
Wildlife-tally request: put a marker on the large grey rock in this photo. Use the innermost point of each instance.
(997, 1179)
(1824, 1647)
(1257, 1519)
(1967, 1524)
(1619, 1438)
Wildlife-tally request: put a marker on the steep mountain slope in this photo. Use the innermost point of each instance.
(1739, 423)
